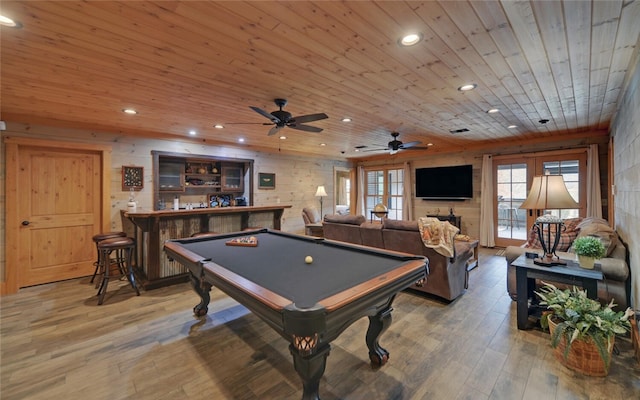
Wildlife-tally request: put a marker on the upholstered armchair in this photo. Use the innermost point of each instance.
(312, 222)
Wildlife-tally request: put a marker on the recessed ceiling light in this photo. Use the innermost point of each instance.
(429, 144)
(410, 39)
(467, 87)
(357, 150)
(129, 111)
(492, 110)
(346, 119)
(512, 126)
(241, 140)
(323, 144)
(192, 132)
(283, 137)
(6, 21)
(218, 126)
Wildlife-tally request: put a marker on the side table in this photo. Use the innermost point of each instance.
(473, 261)
(572, 274)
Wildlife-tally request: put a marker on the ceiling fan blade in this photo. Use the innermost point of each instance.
(248, 123)
(275, 130)
(306, 128)
(416, 148)
(265, 114)
(410, 144)
(309, 118)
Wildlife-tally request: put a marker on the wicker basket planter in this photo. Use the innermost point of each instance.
(583, 355)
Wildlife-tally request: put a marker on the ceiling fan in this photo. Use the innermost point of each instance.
(395, 145)
(280, 119)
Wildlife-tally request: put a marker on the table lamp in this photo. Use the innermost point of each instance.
(549, 192)
(320, 192)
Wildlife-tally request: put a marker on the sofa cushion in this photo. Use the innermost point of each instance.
(567, 236)
(400, 225)
(371, 234)
(345, 219)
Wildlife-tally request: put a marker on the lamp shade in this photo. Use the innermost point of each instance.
(548, 192)
(321, 192)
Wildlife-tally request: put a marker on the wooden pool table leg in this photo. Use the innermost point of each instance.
(310, 368)
(202, 288)
(377, 325)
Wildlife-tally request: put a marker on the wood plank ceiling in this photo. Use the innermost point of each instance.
(190, 65)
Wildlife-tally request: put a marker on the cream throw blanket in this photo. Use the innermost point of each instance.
(438, 235)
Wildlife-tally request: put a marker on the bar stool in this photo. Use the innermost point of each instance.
(97, 239)
(125, 247)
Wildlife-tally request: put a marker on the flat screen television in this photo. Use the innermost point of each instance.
(445, 183)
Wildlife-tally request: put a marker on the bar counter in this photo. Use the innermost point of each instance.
(153, 228)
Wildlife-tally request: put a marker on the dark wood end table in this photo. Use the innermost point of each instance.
(571, 274)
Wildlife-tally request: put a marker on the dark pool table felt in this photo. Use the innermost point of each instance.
(278, 264)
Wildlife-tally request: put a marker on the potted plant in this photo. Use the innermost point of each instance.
(582, 330)
(588, 249)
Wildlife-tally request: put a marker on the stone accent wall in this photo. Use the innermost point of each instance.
(625, 133)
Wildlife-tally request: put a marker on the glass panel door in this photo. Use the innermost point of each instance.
(512, 190)
(570, 171)
(386, 187)
(513, 177)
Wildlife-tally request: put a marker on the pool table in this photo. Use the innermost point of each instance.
(308, 304)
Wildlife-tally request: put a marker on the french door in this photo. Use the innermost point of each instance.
(513, 177)
(385, 186)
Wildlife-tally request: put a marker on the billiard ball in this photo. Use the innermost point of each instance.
(308, 259)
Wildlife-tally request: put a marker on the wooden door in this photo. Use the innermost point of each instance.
(56, 204)
(60, 207)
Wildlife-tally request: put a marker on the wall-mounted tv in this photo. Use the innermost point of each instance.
(445, 183)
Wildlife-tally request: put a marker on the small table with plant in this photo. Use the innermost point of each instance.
(571, 274)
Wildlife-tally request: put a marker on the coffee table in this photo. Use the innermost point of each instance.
(572, 274)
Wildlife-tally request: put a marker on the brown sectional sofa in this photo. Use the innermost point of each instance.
(447, 276)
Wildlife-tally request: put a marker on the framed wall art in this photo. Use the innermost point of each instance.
(132, 178)
(266, 180)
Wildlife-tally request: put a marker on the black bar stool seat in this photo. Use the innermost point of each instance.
(124, 246)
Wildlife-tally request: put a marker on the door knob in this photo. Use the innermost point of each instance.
(25, 223)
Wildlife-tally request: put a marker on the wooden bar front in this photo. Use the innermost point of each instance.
(153, 228)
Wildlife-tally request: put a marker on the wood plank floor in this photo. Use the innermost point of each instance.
(56, 343)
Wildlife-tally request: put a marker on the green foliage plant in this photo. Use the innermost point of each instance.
(581, 318)
(589, 246)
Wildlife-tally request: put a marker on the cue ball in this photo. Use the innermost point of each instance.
(308, 259)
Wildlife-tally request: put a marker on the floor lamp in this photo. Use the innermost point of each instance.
(320, 192)
(549, 192)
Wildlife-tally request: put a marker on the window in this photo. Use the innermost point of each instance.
(385, 186)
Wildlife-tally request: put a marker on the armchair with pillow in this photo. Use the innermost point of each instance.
(615, 267)
(312, 222)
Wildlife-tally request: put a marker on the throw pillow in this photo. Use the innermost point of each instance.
(604, 232)
(570, 231)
